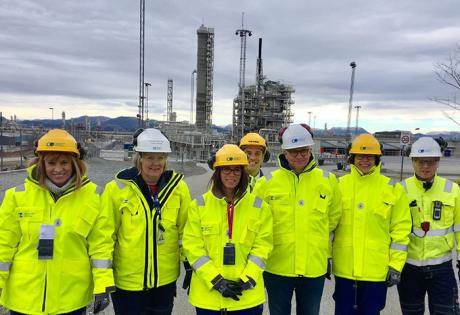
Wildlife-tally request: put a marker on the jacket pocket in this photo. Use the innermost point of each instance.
(383, 207)
(30, 219)
(131, 216)
(211, 233)
(448, 209)
(85, 221)
(249, 233)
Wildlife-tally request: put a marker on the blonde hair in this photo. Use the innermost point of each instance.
(79, 167)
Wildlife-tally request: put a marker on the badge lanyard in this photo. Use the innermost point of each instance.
(157, 206)
(230, 214)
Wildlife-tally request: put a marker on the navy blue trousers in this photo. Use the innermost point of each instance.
(359, 297)
(156, 301)
(249, 311)
(308, 292)
(437, 280)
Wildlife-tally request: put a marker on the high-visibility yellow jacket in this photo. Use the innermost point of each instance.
(146, 257)
(206, 234)
(254, 179)
(373, 232)
(82, 251)
(434, 247)
(306, 209)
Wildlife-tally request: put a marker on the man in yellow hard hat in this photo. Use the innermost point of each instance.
(255, 147)
(370, 242)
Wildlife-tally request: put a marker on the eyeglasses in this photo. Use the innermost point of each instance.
(228, 171)
(297, 152)
(425, 162)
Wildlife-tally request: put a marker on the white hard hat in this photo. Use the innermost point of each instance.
(152, 140)
(296, 136)
(425, 147)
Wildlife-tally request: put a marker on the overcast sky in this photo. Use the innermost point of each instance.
(82, 57)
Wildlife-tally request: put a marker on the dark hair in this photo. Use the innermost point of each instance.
(216, 185)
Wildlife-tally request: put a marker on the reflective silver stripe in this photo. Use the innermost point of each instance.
(326, 174)
(257, 260)
(20, 188)
(5, 266)
(448, 186)
(200, 201)
(457, 228)
(439, 232)
(99, 190)
(429, 262)
(101, 263)
(179, 242)
(458, 256)
(391, 182)
(257, 202)
(403, 183)
(120, 184)
(400, 247)
(200, 262)
(331, 237)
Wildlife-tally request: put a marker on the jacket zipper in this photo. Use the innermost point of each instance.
(146, 260)
(44, 294)
(155, 254)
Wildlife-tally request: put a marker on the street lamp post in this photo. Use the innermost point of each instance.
(309, 118)
(357, 118)
(52, 113)
(350, 102)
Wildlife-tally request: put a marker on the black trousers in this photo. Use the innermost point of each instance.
(438, 281)
(156, 301)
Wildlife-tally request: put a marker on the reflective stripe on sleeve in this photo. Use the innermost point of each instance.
(400, 247)
(326, 174)
(5, 266)
(429, 262)
(101, 263)
(20, 188)
(448, 186)
(200, 201)
(331, 237)
(458, 256)
(120, 184)
(257, 260)
(457, 228)
(257, 202)
(403, 183)
(439, 232)
(200, 262)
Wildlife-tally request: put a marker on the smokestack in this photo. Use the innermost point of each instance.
(259, 70)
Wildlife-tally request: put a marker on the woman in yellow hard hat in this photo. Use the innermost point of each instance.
(370, 242)
(227, 240)
(55, 238)
(149, 204)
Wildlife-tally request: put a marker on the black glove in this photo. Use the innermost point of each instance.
(188, 275)
(101, 301)
(393, 277)
(227, 288)
(329, 269)
(251, 283)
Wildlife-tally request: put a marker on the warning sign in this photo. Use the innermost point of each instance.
(405, 138)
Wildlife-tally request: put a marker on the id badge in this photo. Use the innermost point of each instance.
(229, 254)
(46, 241)
(161, 234)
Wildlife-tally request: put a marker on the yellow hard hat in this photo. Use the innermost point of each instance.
(365, 144)
(253, 138)
(230, 154)
(58, 140)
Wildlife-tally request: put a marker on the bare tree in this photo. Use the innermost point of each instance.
(448, 73)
